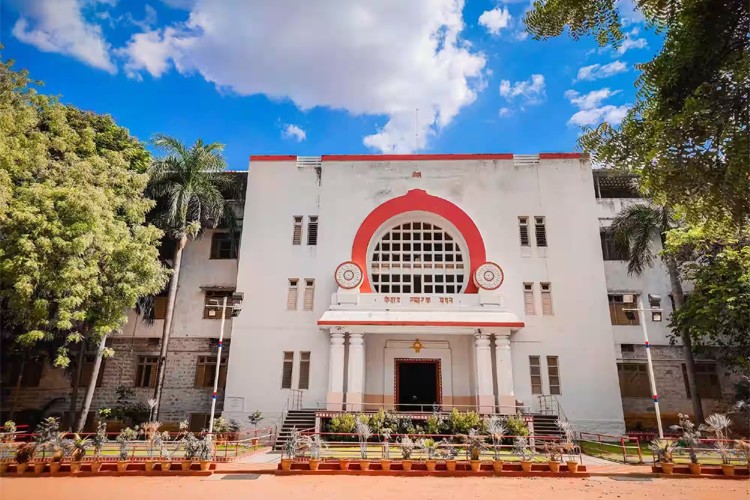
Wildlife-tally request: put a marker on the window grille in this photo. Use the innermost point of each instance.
(286, 371)
(304, 370)
(541, 232)
(307, 303)
(546, 299)
(312, 230)
(553, 372)
(535, 369)
(523, 228)
(297, 230)
(291, 298)
(528, 298)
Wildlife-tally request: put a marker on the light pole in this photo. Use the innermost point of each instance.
(236, 307)
(656, 313)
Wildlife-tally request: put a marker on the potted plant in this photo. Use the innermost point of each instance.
(60, 449)
(554, 454)
(662, 450)
(77, 453)
(206, 452)
(6, 446)
(385, 462)
(125, 439)
(743, 448)
(99, 440)
(521, 449)
(255, 419)
(46, 434)
(718, 424)
(315, 445)
(474, 445)
(165, 456)
(430, 449)
(290, 449)
(363, 434)
(690, 440)
(568, 445)
(496, 428)
(448, 452)
(192, 449)
(24, 454)
(151, 433)
(407, 447)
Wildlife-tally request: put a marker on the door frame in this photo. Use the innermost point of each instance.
(438, 376)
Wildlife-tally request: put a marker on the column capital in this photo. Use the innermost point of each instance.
(502, 342)
(482, 340)
(356, 338)
(337, 338)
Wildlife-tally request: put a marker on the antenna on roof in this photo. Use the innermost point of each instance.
(416, 129)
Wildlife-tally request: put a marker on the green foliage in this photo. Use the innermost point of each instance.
(125, 439)
(79, 446)
(383, 420)
(127, 409)
(662, 449)
(343, 423)
(516, 426)
(255, 417)
(76, 252)
(407, 447)
(462, 423)
(25, 452)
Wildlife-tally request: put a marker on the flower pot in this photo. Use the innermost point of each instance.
(122, 465)
(554, 466)
(75, 467)
(727, 469)
(96, 465)
(476, 465)
(526, 465)
(385, 464)
(314, 463)
(254, 442)
(54, 467)
(364, 464)
(431, 464)
(572, 466)
(186, 464)
(286, 464)
(450, 465)
(343, 464)
(666, 468)
(695, 469)
(21, 468)
(497, 466)
(166, 465)
(406, 464)
(149, 465)
(205, 465)
(39, 467)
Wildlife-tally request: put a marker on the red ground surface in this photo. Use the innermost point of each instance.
(381, 488)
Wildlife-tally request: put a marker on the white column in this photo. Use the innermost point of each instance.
(356, 381)
(506, 399)
(336, 373)
(485, 397)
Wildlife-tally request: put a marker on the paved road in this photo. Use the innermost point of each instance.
(368, 487)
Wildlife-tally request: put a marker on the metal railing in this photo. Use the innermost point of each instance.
(422, 408)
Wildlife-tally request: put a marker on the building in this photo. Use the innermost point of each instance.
(484, 282)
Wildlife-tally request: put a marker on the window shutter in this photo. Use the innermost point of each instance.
(312, 230)
(535, 369)
(304, 370)
(286, 371)
(546, 299)
(291, 299)
(523, 228)
(528, 298)
(200, 372)
(297, 231)
(541, 232)
(307, 303)
(160, 307)
(553, 372)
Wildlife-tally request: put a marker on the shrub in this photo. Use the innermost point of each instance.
(383, 420)
(462, 423)
(516, 426)
(344, 423)
(433, 424)
(25, 452)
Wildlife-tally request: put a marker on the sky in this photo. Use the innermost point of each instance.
(299, 77)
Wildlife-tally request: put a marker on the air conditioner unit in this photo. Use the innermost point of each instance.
(211, 313)
(628, 298)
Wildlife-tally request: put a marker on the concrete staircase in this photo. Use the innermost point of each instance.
(301, 419)
(546, 425)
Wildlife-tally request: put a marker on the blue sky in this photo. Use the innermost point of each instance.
(326, 77)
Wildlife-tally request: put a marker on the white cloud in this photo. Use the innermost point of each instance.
(293, 132)
(382, 58)
(531, 91)
(590, 109)
(503, 112)
(59, 26)
(630, 42)
(598, 71)
(495, 20)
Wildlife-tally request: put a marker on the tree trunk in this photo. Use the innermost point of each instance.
(76, 376)
(92, 385)
(17, 389)
(687, 343)
(171, 297)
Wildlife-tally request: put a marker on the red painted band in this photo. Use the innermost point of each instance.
(490, 324)
(428, 157)
(273, 158)
(419, 200)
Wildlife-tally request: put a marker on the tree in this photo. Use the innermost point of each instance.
(634, 230)
(192, 194)
(75, 251)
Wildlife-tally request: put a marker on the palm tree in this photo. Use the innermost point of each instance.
(192, 194)
(634, 229)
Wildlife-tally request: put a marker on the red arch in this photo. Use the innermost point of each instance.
(419, 200)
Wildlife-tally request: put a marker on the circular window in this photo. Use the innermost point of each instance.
(418, 257)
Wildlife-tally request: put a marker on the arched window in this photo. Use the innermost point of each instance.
(418, 257)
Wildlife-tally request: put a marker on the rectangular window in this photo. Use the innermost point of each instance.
(160, 307)
(223, 246)
(541, 232)
(707, 380)
(528, 298)
(145, 372)
(304, 370)
(611, 251)
(546, 299)
(213, 302)
(286, 371)
(31, 376)
(297, 231)
(307, 302)
(205, 371)
(88, 370)
(535, 369)
(312, 230)
(633, 380)
(198, 421)
(291, 297)
(553, 371)
(523, 228)
(617, 304)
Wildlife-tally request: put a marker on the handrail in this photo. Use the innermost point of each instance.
(426, 409)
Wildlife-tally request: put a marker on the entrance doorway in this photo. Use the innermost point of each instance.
(417, 384)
